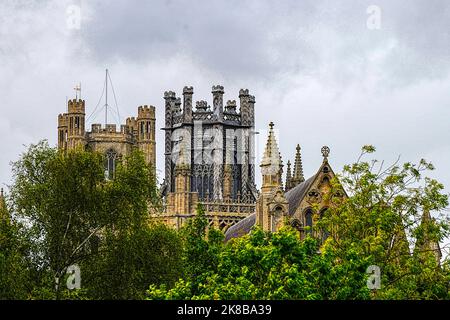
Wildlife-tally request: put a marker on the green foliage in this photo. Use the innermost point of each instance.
(272, 266)
(74, 215)
(376, 225)
(131, 193)
(383, 219)
(64, 211)
(128, 263)
(13, 273)
(133, 253)
(61, 199)
(200, 246)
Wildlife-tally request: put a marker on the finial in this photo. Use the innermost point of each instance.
(271, 125)
(288, 176)
(325, 152)
(297, 176)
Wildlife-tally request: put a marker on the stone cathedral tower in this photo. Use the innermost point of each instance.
(135, 133)
(209, 158)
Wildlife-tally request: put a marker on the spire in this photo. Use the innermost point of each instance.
(288, 176)
(281, 168)
(426, 243)
(271, 161)
(298, 168)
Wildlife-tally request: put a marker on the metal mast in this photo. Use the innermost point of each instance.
(106, 98)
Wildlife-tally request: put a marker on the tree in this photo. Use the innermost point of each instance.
(60, 198)
(13, 270)
(134, 252)
(382, 219)
(273, 266)
(201, 245)
(128, 263)
(377, 225)
(73, 214)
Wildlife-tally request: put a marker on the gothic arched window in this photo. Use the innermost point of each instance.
(309, 220)
(110, 164)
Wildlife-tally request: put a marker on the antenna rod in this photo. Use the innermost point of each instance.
(106, 98)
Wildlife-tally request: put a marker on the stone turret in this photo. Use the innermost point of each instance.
(146, 133)
(188, 92)
(169, 97)
(75, 122)
(272, 205)
(297, 176)
(218, 92)
(62, 131)
(271, 163)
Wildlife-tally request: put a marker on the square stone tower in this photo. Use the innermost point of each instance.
(114, 144)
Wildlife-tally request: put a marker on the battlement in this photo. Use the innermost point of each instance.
(146, 112)
(218, 89)
(201, 106)
(111, 128)
(231, 106)
(243, 93)
(62, 120)
(188, 90)
(97, 128)
(130, 121)
(169, 95)
(216, 112)
(76, 106)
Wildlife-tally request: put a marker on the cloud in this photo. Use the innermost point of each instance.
(315, 68)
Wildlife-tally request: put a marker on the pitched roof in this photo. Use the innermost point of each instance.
(296, 194)
(241, 228)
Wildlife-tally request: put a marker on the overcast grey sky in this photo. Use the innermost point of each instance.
(315, 68)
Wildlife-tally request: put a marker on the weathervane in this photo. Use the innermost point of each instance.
(77, 88)
(325, 152)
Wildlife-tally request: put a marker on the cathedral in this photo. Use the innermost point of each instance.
(209, 159)
(299, 202)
